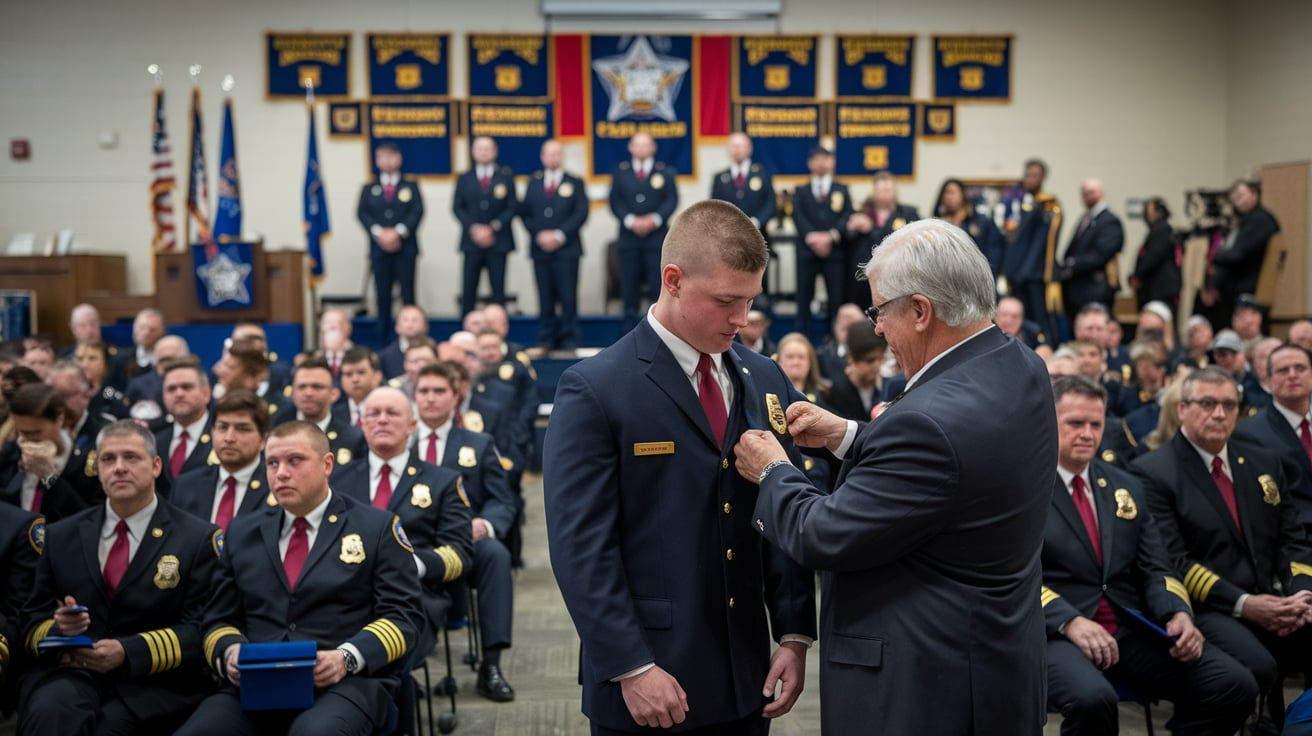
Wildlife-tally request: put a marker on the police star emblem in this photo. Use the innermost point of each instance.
(640, 82)
(225, 280)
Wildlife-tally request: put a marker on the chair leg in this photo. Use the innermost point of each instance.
(1148, 716)
(475, 652)
(446, 722)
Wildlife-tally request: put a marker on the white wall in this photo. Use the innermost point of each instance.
(1132, 92)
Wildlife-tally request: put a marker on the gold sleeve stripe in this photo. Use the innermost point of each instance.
(454, 567)
(1299, 568)
(165, 650)
(460, 489)
(212, 640)
(391, 637)
(4, 648)
(1048, 595)
(1177, 588)
(38, 634)
(1199, 581)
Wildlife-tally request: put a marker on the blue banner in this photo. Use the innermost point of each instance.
(503, 65)
(345, 120)
(227, 214)
(874, 66)
(778, 68)
(782, 135)
(938, 122)
(972, 68)
(875, 137)
(420, 130)
(314, 210)
(641, 83)
(227, 280)
(323, 58)
(409, 64)
(518, 129)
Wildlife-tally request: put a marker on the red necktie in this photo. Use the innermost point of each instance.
(179, 455)
(117, 562)
(430, 456)
(1103, 614)
(739, 180)
(335, 366)
(1305, 436)
(38, 495)
(708, 392)
(223, 516)
(641, 173)
(1227, 489)
(389, 190)
(384, 494)
(551, 188)
(298, 548)
(484, 181)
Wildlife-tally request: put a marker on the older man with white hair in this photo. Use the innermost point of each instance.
(1098, 239)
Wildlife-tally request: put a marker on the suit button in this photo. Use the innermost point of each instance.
(640, 198)
(482, 205)
(547, 212)
(291, 627)
(725, 463)
(731, 603)
(728, 508)
(1104, 588)
(728, 554)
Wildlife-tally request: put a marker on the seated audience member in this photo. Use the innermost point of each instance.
(22, 538)
(833, 355)
(411, 324)
(1148, 359)
(1168, 419)
(184, 442)
(756, 333)
(278, 375)
(13, 378)
(1156, 323)
(485, 407)
(797, 357)
(106, 401)
(145, 392)
(38, 355)
(334, 339)
(237, 484)
(855, 394)
(1259, 357)
(1156, 275)
(1282, 427)
(84, 323)
(359, 374)
(315, 400)
(1062, 363)
(513, 370)
(48, 473)
(1300, 333)
(1224, 512)
(145, 672)
(420, 352)
(359, 603)
(1103, 558)
(1228, 353)
(147, 330)
(1010, 318)
(1198, 341)
(1118, 356)
(1247, 320)
(82, 425)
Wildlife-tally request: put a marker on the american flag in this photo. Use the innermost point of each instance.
(162, 182)
(198, 193)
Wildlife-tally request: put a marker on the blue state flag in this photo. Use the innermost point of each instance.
(315, 209)
(227, 215)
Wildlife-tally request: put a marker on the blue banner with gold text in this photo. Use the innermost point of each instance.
(323, 58)
(408, 64)
(874, 66)
(875, 137)
(420, 130)
(504, 65)
(641, 83)
(970, 68)
(777, 68)
(518, 128)
(782, 135)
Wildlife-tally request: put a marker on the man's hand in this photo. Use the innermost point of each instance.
(655, 698)
(105, 656)
(643, 225)
(389, 240)
(820, 243)
(1273, 613)
(788, 671)
(755, 450)
(1094, 641)
(860, 222)
(1189, 647)
(812, 426)
(478, 528)
(329, 668)
(483, 235)
(69, 623)
(231, 659)
(548, 241)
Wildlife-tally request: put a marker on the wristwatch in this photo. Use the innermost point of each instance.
(771, 466)
(352, 664)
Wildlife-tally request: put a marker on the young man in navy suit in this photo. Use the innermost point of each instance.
(485, 203)
(674, 595)
(554, 209)
(390, 210)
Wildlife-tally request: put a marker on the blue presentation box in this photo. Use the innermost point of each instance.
(277, 675)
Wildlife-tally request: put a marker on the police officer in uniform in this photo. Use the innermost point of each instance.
(184, 442)
(485, 203)
(643, 197)
(390, 210)
(554, 209)
(314, 400)
(821, 211)
(237, 484)
(22, 538)
(749, 186)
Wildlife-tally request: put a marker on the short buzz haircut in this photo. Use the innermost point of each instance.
(1211, 374)
(423, 341)
(1077, 385)
(939, 261)
(863, 341)
(245, 402)
(359, 354)
(249, 359)
(318, 440)
(712, 231)
(128, 428)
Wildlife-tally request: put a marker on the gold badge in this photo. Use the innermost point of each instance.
(404, 195)
(836, 201)
(506, 372)
(91, 463)
(1108, 456)
(332, 434)
(776, 412)
(507, 464)
(273, 409)
(499, 191)
(874, 157)
(473, 421)
(332, 518)
(1102, 482)
(204, 439)
(1125, 508)
(899, 223)
(808, 464)
(343, 455)
(255, 485)
(972, 78)
(508, 78)
(874, 76)
(213, 459)
(939, 120)
(777, 78)
(522, 357)
(408, 76)
(270, 500)
(1127, 374)
(287, 391)
(411, 470)
(565, 189)
(352, 549)
(157, 532)
(657, 181)
(466, 458)
(166, 573)
(1270, 491)
(421, 496)
(754, 184)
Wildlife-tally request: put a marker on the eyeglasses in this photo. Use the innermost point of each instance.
(1209, 404)
(872, 313)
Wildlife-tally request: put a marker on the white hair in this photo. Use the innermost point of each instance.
(939, 261)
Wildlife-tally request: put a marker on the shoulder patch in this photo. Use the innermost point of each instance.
(36, 534)
(522, 357)
(216, 541)
(399, 533)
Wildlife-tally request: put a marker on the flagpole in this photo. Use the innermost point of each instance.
(314, 287)
(157, 75)
(194, 72)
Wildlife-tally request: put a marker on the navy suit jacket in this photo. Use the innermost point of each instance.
(1239, 266)
(195, 489)
(405, 208)
(1022, 257)
(832, 214)
(650, 531)
(391, 360)
(1268, 429)
(494, 206)
(1087, 257)
(200, 456)
(930, 547)
(657, 194)
(565, 210)
(755, 197)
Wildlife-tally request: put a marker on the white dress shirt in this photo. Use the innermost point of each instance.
(193, 430)
(138, 524)
(243, 477)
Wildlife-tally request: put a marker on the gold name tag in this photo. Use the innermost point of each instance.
(652, 448)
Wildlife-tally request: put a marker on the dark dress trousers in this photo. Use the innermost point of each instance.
(929, 550)
(495, 205)
(405, 207)
(557, 273)
(651, 535)
(640, 257)
(1084, 266)
(828, 215)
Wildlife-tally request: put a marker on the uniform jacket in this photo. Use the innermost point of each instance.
(755, 197)
(344, 439)
(830, 214)
(1022, 257)
(475, 458)
(22, 537)
(930, 551)
(864, 245)
(405, 208)
(195, 490)
(650, 531)
(1156, 269)
(496, 207)
(200, 456)
(565, 210)
(1238, 265)
(1086, 261)
(657, 194)
(78, 485)
(492, 410)
(1270, 430)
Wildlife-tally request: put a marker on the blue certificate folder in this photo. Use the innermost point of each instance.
(277, 675)
(54, 641)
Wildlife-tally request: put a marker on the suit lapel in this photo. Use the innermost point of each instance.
(149, 548)
(401, 489)
(1248, 493)
(1200, 477)
(354, 481)
(330, 528)
(664, 371)
(270, 529)
(1106, 505)
(1061, 500)
(256, 491)
(89, 532)
(748, 402)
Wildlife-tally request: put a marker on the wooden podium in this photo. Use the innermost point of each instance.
(62, 282)
(280, 283)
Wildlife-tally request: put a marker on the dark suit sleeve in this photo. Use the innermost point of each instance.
(364, 212)
(768, 204)
(578, 211)
(23, 564)
(669, 194)
(619, 204)
(1157, 248)
(801, 217)
(414, 212)
(507, 214)
(1158, 583)
(1108, 240)
(147, 652)
(500, 506)
(1056, 611)
(453, 548)
(37, 617)
(396, 605)
(1254, 232)
(1294, 565)
(460, 203)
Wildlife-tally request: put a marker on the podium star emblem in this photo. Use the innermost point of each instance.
(225, 280)
(640, 82)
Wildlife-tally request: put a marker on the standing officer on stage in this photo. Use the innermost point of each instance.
(748, 185)
(485, 203)
(554, 209)
(643, 197)
(143, 571)
(390, 210)
(821, 211)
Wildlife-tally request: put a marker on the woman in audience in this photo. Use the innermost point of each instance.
(37, 460)
(1156, 274)
(797, 357)
(93, 358)
(953, 206)
(1169, 421)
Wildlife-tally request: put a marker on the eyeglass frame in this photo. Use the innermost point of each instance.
(872, 312)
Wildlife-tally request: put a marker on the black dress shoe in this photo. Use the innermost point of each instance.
(492, 685)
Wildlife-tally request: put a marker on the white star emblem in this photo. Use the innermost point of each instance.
(640, 82)
(225, 279)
